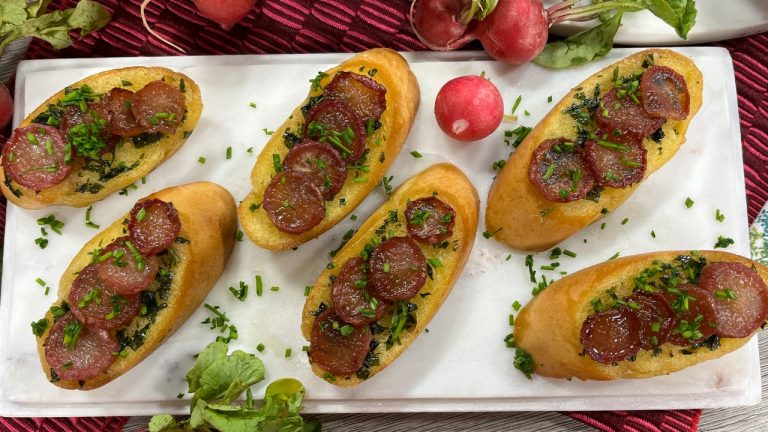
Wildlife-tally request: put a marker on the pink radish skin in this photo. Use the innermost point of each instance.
(226, 13)
(6, 106)
(515, 32)
(469, 108)
(438, 24)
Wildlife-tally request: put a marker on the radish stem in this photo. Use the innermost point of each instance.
(479, 9)
(152, 32)
(566, 12)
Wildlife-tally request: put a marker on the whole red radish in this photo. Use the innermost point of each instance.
(515, 32)
(224, 12)
(441, 24)
(6, 106)
(469, 108)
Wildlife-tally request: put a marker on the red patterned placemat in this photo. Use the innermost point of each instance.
(304, 26)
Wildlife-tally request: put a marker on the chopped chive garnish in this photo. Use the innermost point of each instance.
(260, 347)
(516, 104)
(550, 171)
(287, 352)
(624, 222)
(229, 152)
(435, 262)
(516, 305)
(689, 202)
(569, 253)
(719, 216)
(259, 285)
(416, 154)
(201, 160)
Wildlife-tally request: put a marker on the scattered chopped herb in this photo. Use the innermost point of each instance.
(260, 347)
(519, 133)
(287, 352)
(488, 235)
(435, 262)
(416, 154)
(689, 202)
(259, 285)
(240, 293)
(39, 327)
(316, 81)
(719, 216)
(726, 294)
(516, 305)
(516, 104)
(54, 224)
(229, 152)
(653, 234)
(524, 362)
(529, 264)
(723, 242)
(88, 222)
(201, 160)
(624, 222)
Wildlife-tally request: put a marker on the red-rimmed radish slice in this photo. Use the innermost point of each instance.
(153, 226)
(77, 352)
(35, 157)
(124, 269)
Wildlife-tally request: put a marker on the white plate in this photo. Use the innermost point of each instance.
(462, 362)
(716, 20)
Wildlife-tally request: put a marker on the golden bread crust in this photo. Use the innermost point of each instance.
(208, 220)
(452, 187)
(149, 157)
(393, 72)
(526, 220)
(549, 326)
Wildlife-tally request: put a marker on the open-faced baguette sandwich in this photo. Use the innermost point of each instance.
(132, 285)
(332, 151)
(643, 315)
(592, 150)
(98, 136)
(385, 285)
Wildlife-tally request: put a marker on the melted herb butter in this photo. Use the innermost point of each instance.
(9, 184)
(50, 117)
(153, 300)
(146, 138)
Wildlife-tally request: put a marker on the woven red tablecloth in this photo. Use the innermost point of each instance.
(310, 26)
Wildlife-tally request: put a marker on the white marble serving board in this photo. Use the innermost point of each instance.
(462, 363)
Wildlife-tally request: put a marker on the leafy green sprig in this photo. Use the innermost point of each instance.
(20, 19)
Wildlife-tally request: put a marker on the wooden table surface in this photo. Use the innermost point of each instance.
(745, 419)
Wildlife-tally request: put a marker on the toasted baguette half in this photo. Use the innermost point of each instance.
(549, 326)
(389, 69)
(453, 188)
(523, 219)
(144, 159)
(208, 221)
